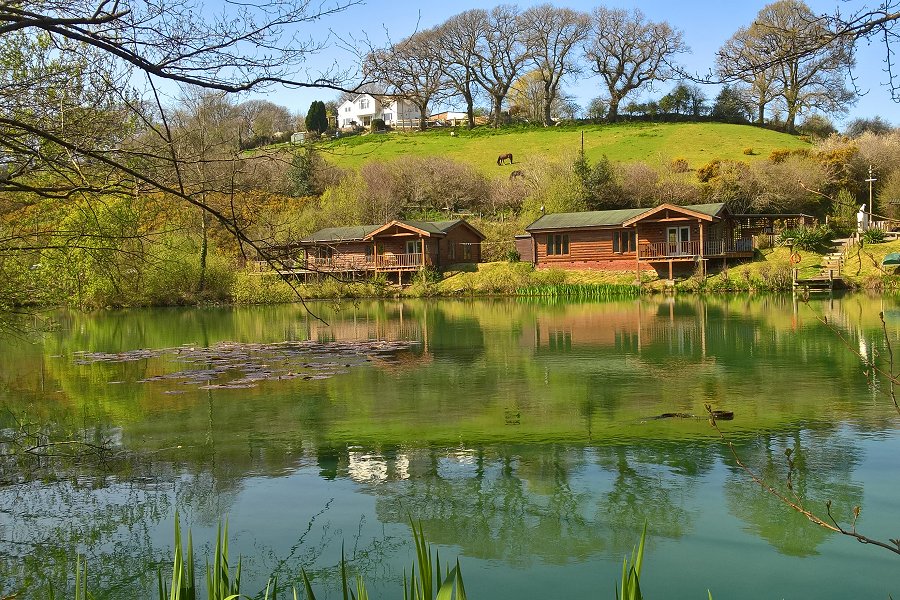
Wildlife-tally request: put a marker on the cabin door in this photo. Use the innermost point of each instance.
(678, 240)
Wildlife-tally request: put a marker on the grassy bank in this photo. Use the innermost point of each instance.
(698, 143)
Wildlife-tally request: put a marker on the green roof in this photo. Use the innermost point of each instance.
(607, 218)
(359, 232)
(341, 234)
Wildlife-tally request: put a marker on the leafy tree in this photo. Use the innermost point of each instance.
(628, 51)
(731, 106)
(316, 119)
(876, 125)
(817, 125)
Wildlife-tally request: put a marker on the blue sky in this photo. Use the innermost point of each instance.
(706, 25)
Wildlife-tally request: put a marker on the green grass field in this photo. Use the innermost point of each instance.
(654, 143)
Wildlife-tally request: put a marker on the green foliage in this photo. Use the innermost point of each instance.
(631, 575)
(301, 175)
(873, 236)
(731, 107)
(316, 117)
(378, 125)
(576, 291)
(811, 239)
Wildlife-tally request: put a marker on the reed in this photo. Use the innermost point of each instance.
(581, 291)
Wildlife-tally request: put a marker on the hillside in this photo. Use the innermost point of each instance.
(654, 143)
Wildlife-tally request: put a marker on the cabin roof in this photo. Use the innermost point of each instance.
(609, 218)
(360, 233)
(341, 234)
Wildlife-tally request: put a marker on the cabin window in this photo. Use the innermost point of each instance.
(324, 252)
(467, 251)
(370, 250)
(451, 250)
(414, 246)
(557, 243)
(623, 242)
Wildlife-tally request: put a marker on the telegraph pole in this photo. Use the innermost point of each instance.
(870, 180)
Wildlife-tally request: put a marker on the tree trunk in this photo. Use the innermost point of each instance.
(548, 104)
(789, 123)
(498, 109)
(204, 248)
(761, 117)
(613, 115)
(470, 107)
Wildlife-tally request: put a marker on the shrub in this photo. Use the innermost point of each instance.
(873, 236)
(709, 171)
(679, 165)
(378, 125)
(749, 151)
(811, 239)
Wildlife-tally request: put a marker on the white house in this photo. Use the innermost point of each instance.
(363, 109)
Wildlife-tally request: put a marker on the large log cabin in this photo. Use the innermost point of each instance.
(665, 239)
(394, 248)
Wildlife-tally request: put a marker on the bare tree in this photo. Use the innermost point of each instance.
(739, 59)
(775, 54)
(458, 40)
(500, 55)
(628, 51)
(552, 34)
(412, 70)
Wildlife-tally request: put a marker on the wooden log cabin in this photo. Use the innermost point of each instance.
(395, 248)
(666, 239)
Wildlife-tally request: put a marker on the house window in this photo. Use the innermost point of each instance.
(324, 252)
(364, 103)
(451, 250)
(388, 117)
(623, 242)
(557, 243)
(414, 246)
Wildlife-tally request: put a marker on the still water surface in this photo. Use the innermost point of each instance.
(521, 434)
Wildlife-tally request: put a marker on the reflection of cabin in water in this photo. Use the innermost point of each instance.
(396, 248)
(625, 328)
(664, 238)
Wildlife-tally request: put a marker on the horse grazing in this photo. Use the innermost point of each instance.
(504, 157)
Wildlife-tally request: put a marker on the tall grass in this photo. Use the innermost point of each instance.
(581, 291)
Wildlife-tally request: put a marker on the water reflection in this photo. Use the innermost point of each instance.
(522, 435)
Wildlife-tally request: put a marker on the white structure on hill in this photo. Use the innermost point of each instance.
(363, 109)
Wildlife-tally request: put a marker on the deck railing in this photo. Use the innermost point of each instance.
(355, 262)
(402, 261)
(692, 248)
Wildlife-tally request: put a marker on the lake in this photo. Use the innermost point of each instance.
(527, 437)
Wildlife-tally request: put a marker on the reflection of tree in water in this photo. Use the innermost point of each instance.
(44, 526)
(496, 505)
(649, 486)
(823, 465)
(523, 503)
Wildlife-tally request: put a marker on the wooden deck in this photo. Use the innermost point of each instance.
(683, 251)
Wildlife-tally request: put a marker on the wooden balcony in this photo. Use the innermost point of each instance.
(345, 263)
(691, 250)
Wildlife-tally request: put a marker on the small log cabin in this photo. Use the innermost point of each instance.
(397, 247)
(665, 239)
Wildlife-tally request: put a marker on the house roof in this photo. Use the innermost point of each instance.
(341, 234)
(359, 233)
(610, 218)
